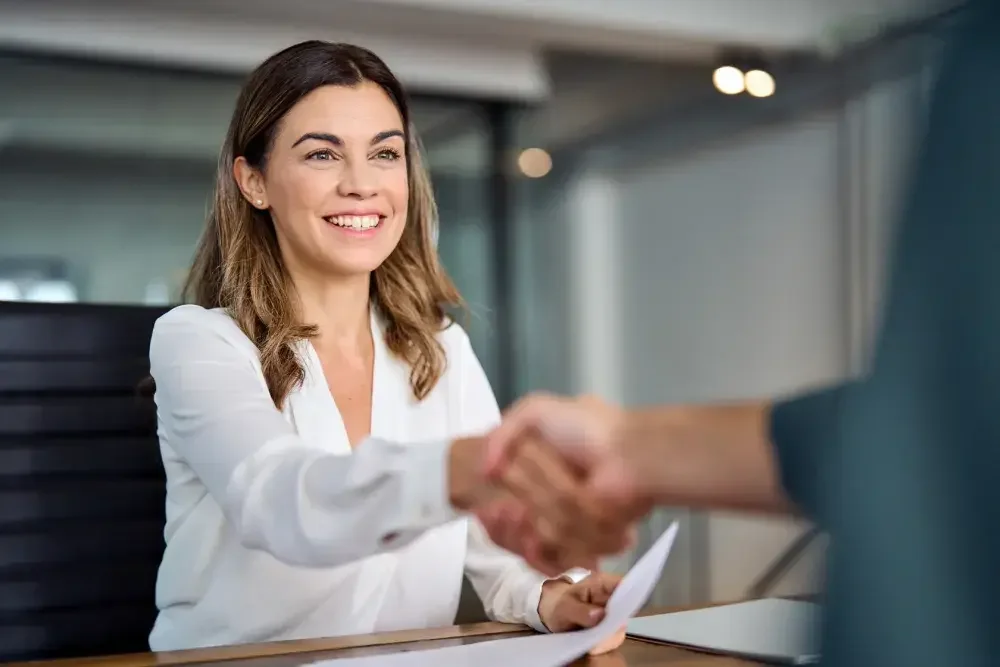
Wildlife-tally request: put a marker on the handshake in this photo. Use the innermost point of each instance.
(561, 481)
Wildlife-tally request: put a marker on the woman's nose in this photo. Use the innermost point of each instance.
(358, 180)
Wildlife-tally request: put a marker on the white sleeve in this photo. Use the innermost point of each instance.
(508, 587)
(303, 505)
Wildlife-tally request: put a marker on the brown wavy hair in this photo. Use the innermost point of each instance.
(238, 265)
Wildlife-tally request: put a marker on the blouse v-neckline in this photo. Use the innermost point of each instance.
(316, 380)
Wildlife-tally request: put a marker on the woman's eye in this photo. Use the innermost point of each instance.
(321, 155)
(388, 154)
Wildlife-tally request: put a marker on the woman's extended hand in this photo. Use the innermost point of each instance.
(565, 606)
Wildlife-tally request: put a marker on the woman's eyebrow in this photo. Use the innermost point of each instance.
(337, 141)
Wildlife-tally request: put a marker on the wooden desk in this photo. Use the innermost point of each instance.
(294, 653)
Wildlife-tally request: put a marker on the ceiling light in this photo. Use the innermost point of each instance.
(759, 83)
(729, 80)
(534, 162)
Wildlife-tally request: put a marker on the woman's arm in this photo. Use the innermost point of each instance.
(301, 504)
(509, 589)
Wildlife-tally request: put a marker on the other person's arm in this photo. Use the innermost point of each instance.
(757, 456)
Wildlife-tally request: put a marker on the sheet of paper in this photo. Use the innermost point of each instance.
(540, 650)
(772, 630)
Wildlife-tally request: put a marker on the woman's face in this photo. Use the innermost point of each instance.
(335, 180)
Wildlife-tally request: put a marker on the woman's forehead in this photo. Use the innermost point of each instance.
(353, 114)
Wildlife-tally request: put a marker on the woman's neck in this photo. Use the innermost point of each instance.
(340, 308)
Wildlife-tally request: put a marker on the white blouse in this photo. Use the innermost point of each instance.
(276, 529)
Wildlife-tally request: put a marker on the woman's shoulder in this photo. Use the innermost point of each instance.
(454, 339)
(461, 359)
(190, 316)
(190, 322)
(450, 335)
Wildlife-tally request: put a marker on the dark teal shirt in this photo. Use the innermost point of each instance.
(903, 468)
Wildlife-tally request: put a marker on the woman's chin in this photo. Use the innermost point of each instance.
(349, 264)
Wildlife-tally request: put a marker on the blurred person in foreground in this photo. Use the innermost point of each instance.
(901, 467)
(313, 402)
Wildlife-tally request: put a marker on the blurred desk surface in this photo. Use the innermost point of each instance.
(294, 653)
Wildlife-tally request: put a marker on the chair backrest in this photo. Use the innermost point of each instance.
(470, 607)
(81, 481)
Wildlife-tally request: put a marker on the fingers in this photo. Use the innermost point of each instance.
(540, 480)
(545, 453)
(508, 525)
(583, 604)
(581, 431)
(501, 444)
(572, 612)
(600, 586)
(594, 402)
(631, 538)
(571, 526)
(610, 644)
(571, 426)
(503, 524)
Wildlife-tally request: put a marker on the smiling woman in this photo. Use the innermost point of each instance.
(321, 137)
(353, 183)
(314, 402)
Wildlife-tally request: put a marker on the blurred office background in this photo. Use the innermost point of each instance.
(617, 223)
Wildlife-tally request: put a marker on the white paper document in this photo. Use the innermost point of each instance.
(769, 630)
(552, 650)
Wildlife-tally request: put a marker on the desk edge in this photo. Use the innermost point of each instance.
(289, 647)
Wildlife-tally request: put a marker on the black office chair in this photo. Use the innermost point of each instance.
(81, 481)
(470, 607)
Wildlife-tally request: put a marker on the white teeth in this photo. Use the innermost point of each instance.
(355, 221)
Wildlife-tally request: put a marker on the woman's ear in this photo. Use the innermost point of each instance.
(250, 182)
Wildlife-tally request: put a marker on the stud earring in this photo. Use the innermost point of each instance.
(260, 202)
